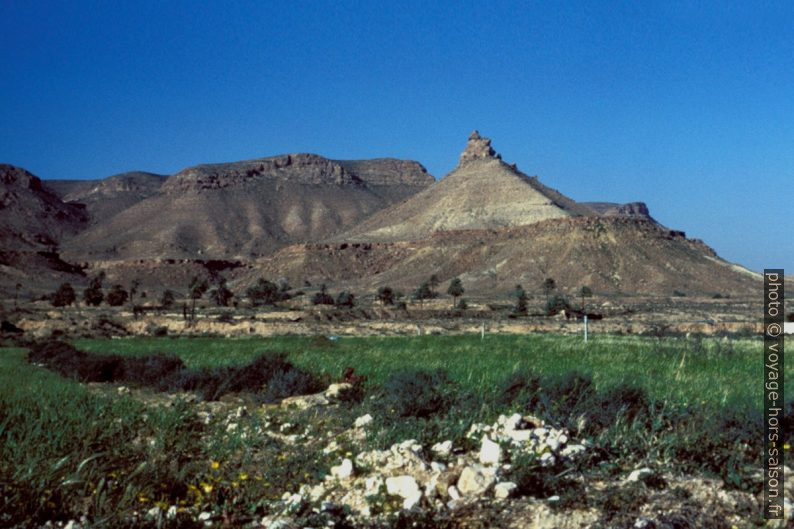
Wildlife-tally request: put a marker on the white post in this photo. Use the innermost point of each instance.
(585, 328)
(482, 332)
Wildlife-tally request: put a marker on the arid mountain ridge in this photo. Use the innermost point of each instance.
(362, 223)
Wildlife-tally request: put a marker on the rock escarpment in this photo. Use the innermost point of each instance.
(251, 208)
(31, 215)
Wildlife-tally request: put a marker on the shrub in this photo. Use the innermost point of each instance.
(168, 299)
(519, 387)
(521, 300)
(423, 292)
(68, 361)
(226, 317)
(417, 393)
(168, 373)
(539, 481)
(264, 293)
(563, 397)
(357, 390)
(557, 304)
(322, 297)
(93, 296)
(290, 382)
(724, 443)
(147, 370)
(624, 400)
(455, 290)
(117, 296)
(386, 295)
(63, 296)
(345, 300)
(221, 295)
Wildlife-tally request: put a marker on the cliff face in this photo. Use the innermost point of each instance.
(611, 209)
(306, 169)
(31, 215)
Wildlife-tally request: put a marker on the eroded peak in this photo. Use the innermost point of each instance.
(477, 148)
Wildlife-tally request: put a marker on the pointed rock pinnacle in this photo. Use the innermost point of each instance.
(477, 148)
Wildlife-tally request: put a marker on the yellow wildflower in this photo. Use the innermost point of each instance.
(216, 465)
(207, 488)
(243, 476)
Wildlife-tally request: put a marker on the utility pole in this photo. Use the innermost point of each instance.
(585, 328)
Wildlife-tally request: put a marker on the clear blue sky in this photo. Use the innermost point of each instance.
(687, 106)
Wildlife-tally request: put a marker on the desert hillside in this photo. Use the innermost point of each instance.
(482, 192)
(356, 224)
(32, 217)
(107, 197)
(610, 254)
(249, 209)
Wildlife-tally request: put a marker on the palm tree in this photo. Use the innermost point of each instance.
(455, 290)
(549, 286)
(585, 292)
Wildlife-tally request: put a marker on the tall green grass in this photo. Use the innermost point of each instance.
(713, 371)
(66, 450)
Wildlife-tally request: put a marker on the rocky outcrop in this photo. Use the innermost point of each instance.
(482, 192)
(107, 197)
(308, 169)
(31, 215)
(611, 209)
(388, 172)
(250, 208)
(477, 148)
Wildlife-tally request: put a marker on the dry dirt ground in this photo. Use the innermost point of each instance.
(636, 315)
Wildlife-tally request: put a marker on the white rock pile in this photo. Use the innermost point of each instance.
(406, 476)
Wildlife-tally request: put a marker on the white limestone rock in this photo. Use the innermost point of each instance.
(490, 452)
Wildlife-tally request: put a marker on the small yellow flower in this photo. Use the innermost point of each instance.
(216, 465)
(206, 487)
(243, 476)
(786, 446)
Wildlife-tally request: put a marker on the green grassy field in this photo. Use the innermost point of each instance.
(683, 371)
(66, 450)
